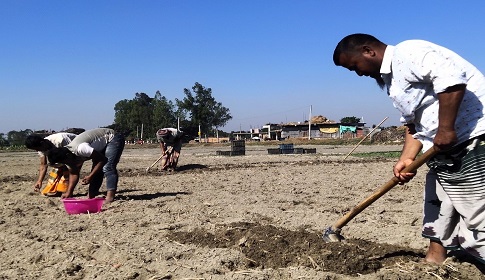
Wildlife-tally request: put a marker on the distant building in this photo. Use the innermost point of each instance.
(326, 130)
(323, 130)
(267, 132)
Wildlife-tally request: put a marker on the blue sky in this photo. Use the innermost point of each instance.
(67, 63)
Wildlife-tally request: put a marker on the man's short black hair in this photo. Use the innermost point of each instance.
(34, 141)
(60, 155)
(351, 43)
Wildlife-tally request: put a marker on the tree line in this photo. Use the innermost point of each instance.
(198, 109)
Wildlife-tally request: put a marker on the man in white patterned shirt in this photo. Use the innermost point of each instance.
(440, 96)
(42, 145)
(103, 146)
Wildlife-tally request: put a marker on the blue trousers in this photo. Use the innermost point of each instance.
(113, 152)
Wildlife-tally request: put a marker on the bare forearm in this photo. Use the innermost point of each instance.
(449, 104)
(411, 146)
(73, 180)
(97, 168)
(42, 172)
(99, 160)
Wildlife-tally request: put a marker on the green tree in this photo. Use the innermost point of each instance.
(144, 111)
(131, 115)
(198, 107)
(352, 120)
(122, 113)
(17, 138)
(142, 114)
(3, 140)
(164, 114)
(202, 109)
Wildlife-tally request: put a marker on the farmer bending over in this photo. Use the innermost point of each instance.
(441, 99)
(170, 137)
(104, 147)
(60, 176)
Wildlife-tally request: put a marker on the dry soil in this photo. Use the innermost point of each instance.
(257, 216)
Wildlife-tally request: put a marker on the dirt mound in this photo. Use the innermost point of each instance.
(266, 246)
(320, 119)
(390, 135)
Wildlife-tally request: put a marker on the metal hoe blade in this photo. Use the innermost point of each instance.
(332, 235)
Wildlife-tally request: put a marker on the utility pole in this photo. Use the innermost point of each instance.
(141, 135)
(310, 124)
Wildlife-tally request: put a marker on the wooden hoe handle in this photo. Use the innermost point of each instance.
(417, 163)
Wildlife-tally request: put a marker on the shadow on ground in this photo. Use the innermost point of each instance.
(149, 196)
(188, 167)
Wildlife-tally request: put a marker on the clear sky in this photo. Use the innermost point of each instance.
(66, 64)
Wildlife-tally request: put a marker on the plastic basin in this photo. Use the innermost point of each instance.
(83, 206)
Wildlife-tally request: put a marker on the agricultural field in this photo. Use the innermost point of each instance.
(252, 216)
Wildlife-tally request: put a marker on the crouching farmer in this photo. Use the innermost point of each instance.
(170, 138)
(104, 147)
(58, 177)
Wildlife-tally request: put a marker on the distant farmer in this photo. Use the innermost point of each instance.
(170, 137)
(58, 177)
(441, 99)
(104, 147)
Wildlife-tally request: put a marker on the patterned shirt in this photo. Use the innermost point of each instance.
(172, 138)
(416, 71)
(59, 140)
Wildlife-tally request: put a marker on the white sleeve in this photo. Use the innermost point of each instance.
(84, 150)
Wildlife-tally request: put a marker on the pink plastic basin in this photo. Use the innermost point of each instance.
(83, 205)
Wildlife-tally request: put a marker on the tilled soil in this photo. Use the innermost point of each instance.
(257, 216)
